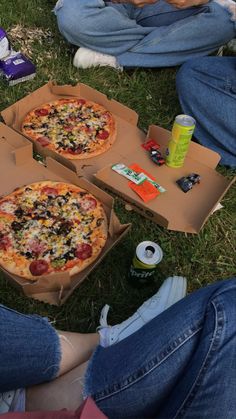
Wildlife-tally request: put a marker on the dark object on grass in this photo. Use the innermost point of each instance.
(186, 183)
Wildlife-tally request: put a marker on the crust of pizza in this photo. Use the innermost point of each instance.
(87, 227)
(58, 133)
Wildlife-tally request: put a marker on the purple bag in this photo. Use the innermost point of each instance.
(14, 66)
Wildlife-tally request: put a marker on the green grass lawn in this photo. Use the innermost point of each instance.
(202, 258)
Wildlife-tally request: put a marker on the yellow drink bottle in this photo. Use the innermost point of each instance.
(178, 145)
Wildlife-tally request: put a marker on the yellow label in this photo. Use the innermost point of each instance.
(140, 265)
(178, 145)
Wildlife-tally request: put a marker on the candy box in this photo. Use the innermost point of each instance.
(14, 66)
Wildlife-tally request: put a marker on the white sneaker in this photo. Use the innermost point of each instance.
(86, 58)
(6, 400)
(172, 290)
(12, 401)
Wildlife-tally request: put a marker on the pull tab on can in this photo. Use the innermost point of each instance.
(147, 256)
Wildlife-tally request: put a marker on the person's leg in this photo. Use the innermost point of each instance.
(154, 36)
(201, 31)
(65, 392)
(102, 28)
(64, 351)
(207, 91)
(32, 351)
(180, 364)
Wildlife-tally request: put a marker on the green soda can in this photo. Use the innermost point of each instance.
(178, 145)
(147, 256)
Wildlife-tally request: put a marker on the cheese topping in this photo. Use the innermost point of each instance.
(50, 224)
(76, 127)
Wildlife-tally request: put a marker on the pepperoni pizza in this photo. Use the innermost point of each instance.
(74, 128)
(49, 227)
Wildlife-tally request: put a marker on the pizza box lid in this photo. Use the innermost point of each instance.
(173, 209)
(18, 168)
(126, 121)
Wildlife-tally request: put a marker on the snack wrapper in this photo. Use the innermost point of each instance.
(149, 189)
(146, 190)
(125, 171)
(14, 66)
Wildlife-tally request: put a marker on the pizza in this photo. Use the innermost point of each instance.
(74, 128)
(50, 227)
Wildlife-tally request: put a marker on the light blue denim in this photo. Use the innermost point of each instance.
(207, 91)
(29, 350)
(157, 35)
(182, 364)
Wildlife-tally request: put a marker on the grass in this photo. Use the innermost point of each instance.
(202, 258)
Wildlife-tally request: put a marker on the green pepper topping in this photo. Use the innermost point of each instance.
(58, 263)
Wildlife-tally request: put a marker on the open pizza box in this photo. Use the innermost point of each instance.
(18, 168)
(126, 121)
(173, 209)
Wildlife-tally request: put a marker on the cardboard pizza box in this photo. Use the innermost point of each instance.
(126, 121)
(18, 168)
(173, 209)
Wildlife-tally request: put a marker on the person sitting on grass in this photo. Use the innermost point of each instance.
(144, 33)
(207, 91)
(174, 358)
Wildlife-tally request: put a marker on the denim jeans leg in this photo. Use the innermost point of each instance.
(29, 350)
(207, 91)
(192, 36)
(154, 36)
(93, 24)
(182, 364)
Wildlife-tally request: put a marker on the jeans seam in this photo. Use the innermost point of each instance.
(124, 387)
(228, 84)
(193, 390)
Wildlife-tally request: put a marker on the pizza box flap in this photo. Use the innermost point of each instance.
(126, 122)
(56, 282)
(14, 114)
(18, 168)
(82, 90)
(173, 209)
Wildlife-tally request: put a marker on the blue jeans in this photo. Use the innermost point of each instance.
(207, 91)
(29, 350)
(156, 35)
(182, 364)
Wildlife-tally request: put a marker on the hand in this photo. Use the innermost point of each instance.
(137, 3)
(184, 4)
